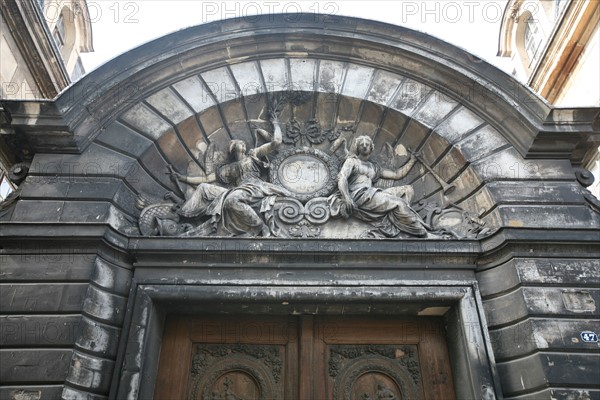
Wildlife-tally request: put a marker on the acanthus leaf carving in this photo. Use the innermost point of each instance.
(304, 229)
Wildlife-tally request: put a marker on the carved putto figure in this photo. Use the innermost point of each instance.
(236, 208)
(388, 211)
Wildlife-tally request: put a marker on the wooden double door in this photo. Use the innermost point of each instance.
(303, 357)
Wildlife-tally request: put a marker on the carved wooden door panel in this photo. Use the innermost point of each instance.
(367, 358)
(349, 358)
(229, 358)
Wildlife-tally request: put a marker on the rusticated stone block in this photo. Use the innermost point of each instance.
(99, 339)
(104, 306)
(111, 277)
(90, 372)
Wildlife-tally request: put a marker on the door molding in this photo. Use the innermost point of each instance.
(469, 346)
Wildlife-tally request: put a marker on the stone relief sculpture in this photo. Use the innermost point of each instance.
(387, 210)
(289, 188)
(238, 208)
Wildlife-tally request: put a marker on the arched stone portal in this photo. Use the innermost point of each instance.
(510, 233)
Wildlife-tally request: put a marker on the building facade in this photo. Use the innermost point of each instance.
(40, 43)
(300, 207)
(555, 47)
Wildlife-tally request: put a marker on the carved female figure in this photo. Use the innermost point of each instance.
(237, 208)
(387, 210)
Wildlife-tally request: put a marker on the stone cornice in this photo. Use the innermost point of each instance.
(36, 44)
(162, 251)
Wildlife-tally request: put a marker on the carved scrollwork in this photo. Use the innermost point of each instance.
(317, 210)
(289, 211)
(299, 217)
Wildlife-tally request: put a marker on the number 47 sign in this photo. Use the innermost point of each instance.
(589, 337)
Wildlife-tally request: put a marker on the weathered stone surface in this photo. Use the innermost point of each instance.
(574, 369)
(168, 105)
(539, 271)
(90, 372)
(195, 93)
(558, 301)
(124, 139)
(498, 279)
(568, 394)
(25, 392)
(561, 394)
(437, 107)
(558, 217)
(535, 192)
(357, 81)
(40, 211)
(38, 298)
(541, 301)
(459, 125)
(39, 330)
(521, 375)
(505, 309)
(513, 341)
(141, 118)
(303, 73)
(508, 164)
(35, 365)
(111, 277)
(331, 76)
(97, 188)
(46, 265)
(482, 142)
(104, 306)
(85, 211)
(70, 393)
(576, 271)
(45, 187)
(98, 339)
(559, 335)
(564, 334)
(409, 96)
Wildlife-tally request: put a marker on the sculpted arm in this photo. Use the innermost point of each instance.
(195, 180)
(266, 148)
(400, 172)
